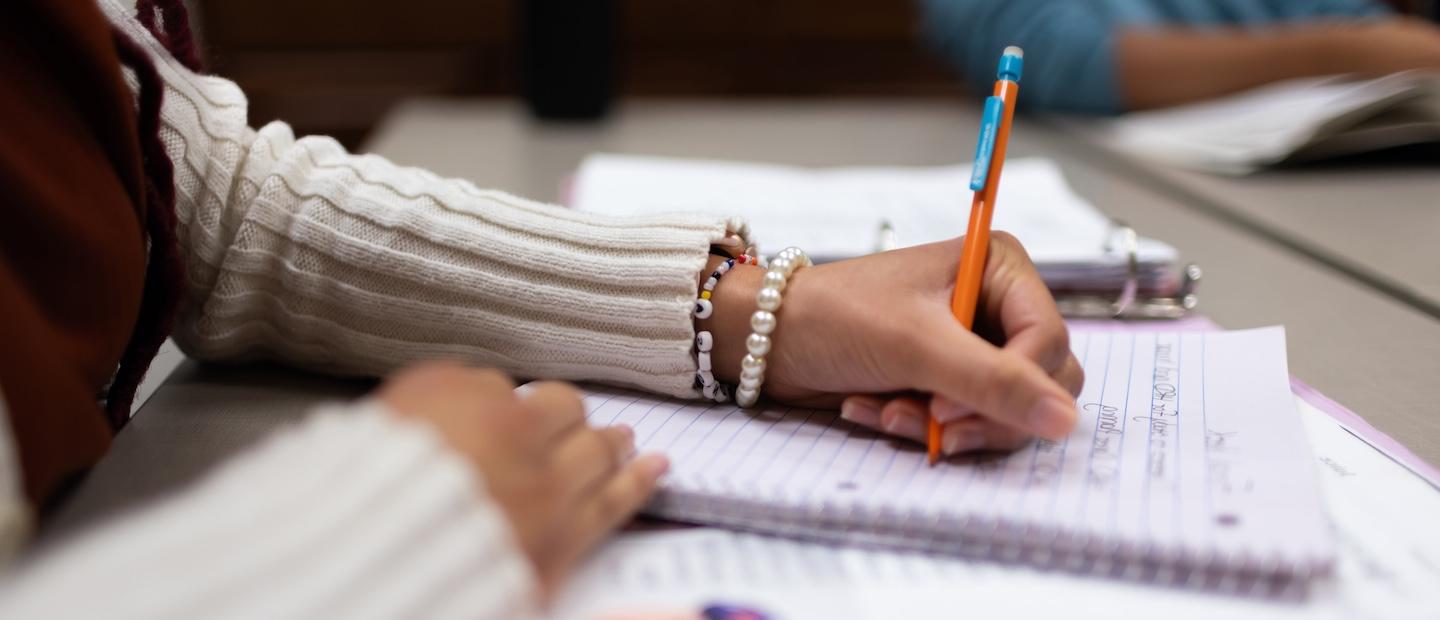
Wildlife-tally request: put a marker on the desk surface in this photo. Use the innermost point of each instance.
(1383, 366)
(1376, 221)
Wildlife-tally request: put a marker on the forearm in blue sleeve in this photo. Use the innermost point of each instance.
(1069, 49)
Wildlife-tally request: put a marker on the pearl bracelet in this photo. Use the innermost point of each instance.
(704, 341)
(767, 302)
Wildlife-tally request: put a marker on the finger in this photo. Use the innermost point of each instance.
(588, 458)
(609, 507)
(1000, 384)
(1043, 339)
(1021, 303)
(445, 386)
(977, 433)
(1071, 376)
(946, 411)
(906, 417)
(862, 410)
(557, 407)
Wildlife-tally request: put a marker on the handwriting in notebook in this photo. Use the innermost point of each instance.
(1184, 440)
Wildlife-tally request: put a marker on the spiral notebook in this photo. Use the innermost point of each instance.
(1188, 465)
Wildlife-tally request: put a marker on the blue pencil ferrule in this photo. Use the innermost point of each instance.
(985, 148)
(1011, 67)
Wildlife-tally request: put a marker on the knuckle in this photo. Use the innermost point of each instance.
(424, 373)
(1057, 347)
(491, 378)
(1005, 239)
(558, 396)
(1008, 245)
(613, 504)
(606, 448)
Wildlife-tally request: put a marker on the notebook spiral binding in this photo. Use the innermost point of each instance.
(983, 537)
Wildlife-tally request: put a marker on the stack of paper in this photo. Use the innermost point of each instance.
(846, 212)
(1297, 120)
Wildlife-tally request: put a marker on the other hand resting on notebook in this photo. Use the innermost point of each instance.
(876, 334)
(562, 484)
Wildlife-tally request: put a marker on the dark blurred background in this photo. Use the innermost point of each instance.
(335, 67)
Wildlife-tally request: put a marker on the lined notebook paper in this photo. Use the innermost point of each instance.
(1188, 459)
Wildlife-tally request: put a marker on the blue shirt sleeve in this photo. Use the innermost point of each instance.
(1069, 49)
(1070, 62)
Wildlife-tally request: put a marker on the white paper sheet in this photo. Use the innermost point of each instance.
(837, 212)
(1243, 132)
(1388, 566)
(1188, 443)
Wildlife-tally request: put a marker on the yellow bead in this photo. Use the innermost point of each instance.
(704, 294)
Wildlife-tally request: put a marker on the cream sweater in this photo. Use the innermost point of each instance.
(300, 252)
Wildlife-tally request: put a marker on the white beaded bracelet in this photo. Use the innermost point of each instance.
(767, 302)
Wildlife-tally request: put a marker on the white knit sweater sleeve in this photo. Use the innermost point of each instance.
(354, 514)
(299, 251)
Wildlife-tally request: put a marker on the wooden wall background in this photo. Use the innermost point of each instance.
(335, 66)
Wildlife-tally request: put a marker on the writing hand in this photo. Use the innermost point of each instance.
(879, 331)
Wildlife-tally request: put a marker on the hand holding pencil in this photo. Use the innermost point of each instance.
(990, 152)
(879, 335)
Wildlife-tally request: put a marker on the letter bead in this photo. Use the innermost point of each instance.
(704, 342)
(703, 308)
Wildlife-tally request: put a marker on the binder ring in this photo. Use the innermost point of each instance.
(1130, 245)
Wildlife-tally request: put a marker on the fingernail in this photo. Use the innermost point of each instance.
(1051, 418)
(654, 465)
(860, 411)
(905, 425)
(958, 440)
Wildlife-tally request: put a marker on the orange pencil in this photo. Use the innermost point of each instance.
(985, 181)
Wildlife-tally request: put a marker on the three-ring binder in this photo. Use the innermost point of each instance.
(1129, 302)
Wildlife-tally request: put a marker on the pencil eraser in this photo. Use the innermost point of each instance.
(1012, 63)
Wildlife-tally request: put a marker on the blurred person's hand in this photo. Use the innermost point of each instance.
(563, 484)
(879, 331)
